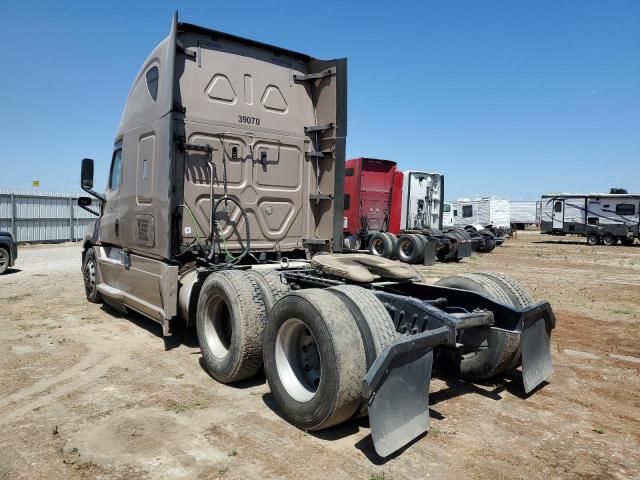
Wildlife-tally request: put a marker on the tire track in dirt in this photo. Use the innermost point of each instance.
(103, 354)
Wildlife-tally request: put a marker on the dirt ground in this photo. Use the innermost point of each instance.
(89, 393)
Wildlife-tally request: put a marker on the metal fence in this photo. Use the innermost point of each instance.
(43, 217)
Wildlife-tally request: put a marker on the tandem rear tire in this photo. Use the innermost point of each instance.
(486, 352)
(374, 322)
(271, 284)
(519, 297)
(609, 240)
(230, 323)
(410, 248)
(381, 245)
(490, 239)
(314, 359)
(592, 239)
(394, 243)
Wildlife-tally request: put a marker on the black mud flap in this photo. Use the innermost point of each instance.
(430, 249)
(396, 388)
(537, 322)
(464, 248)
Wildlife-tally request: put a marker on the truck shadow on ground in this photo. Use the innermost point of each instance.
(510, 383)
(576, 242)
(183, 336)
(186, 336)
(495, 389)
(560, 242)
(255, 381)
(368, 449)
(11, 271)
(337, 432)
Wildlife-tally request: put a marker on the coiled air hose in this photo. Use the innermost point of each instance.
(247, 244)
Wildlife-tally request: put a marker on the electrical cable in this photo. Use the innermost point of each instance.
(196, 240)
(243, 213)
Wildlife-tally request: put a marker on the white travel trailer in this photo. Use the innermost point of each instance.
(601, 217)
(523, 213)
(422, 200)
(483, 211)
(447, 214)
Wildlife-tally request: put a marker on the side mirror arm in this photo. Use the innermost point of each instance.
(93, 193)
(90, 210)
(84, 202)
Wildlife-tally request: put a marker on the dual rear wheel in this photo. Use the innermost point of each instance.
(486, 352)
(410, 248)
(383, 244)
(230, 324)
(316, 345)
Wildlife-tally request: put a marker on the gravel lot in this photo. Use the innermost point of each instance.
(87, 392)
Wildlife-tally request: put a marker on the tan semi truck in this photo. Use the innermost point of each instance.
(227, 172)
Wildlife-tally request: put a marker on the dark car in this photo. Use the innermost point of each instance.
(8, 251)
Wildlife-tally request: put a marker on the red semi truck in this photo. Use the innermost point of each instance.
(373, 199)
(372, 204)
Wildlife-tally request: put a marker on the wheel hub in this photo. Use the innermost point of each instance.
(377, 246)
(90, 277)
(218, 330)
(298, 360)
(407, 247)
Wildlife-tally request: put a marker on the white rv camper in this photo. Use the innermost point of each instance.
(601, 217)
(422, 194)
(523, 213)
(483, 211)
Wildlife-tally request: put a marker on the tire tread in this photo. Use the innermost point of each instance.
(253, 318)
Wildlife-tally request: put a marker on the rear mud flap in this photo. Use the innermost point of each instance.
(537, 323)
(430, 249)
(397, 390)
(464, 249)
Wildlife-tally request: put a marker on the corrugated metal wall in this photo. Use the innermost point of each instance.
(43, 217)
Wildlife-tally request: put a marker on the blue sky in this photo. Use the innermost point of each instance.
(510, 98)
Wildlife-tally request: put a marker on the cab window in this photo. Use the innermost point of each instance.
(116, 169)
(152, 82)
(347, 201)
